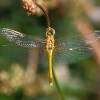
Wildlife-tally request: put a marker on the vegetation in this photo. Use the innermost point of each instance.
(24, 74)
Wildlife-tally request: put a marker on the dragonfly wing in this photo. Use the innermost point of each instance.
(76, 48)
(78, 41)
(71, 55)
(22, 39)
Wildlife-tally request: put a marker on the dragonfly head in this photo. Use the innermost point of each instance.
(50, 32)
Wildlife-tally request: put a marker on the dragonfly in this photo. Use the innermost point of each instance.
(64, 50)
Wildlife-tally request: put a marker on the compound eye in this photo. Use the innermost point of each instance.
(49, 33)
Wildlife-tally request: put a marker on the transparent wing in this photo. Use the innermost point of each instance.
(22, 39)
(76, 48)
(69, 56)
(78, 41)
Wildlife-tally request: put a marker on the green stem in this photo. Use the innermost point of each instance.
(58, 87)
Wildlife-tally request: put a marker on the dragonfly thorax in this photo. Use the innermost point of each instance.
(50, 32)
(50, 42)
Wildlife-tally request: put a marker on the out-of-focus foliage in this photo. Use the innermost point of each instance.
(22, 78)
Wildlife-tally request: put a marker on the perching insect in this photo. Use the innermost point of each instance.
(62, 50)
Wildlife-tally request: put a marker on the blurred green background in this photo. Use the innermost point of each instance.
(22, 77)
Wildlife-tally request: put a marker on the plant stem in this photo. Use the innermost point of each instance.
(58, 87)
(45, 12)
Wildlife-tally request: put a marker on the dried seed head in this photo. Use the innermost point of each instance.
(29, 6)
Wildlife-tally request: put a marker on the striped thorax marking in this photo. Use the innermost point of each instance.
(50, 39)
